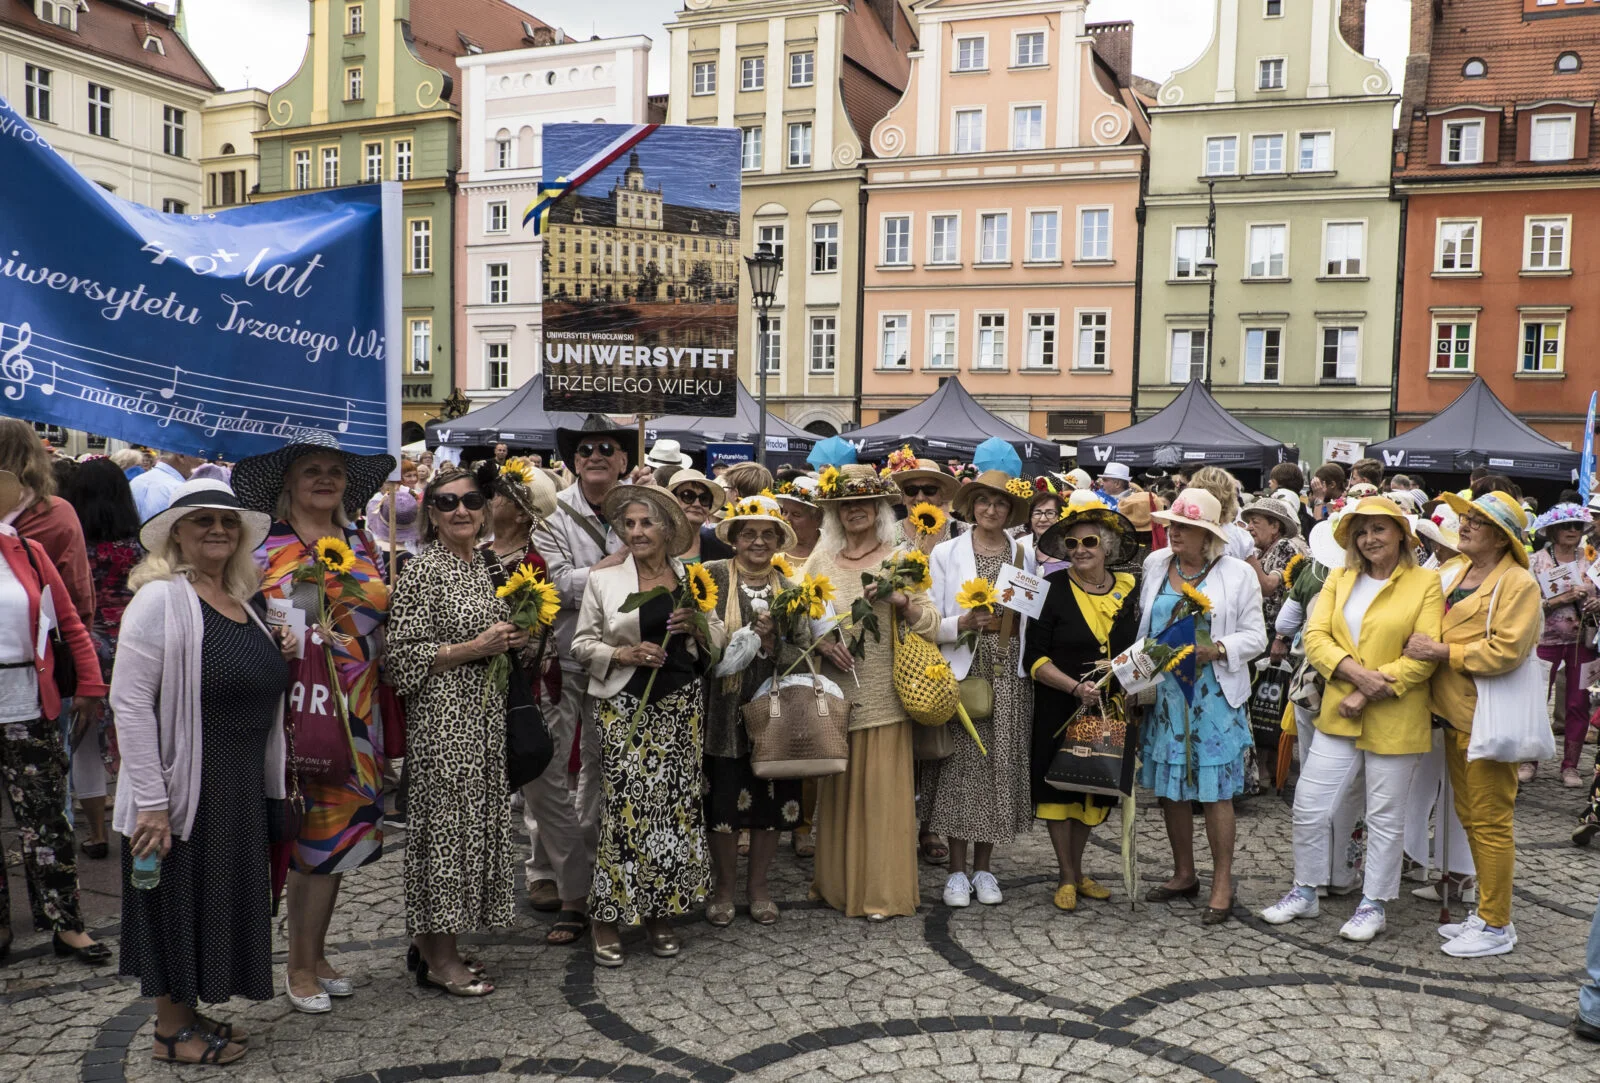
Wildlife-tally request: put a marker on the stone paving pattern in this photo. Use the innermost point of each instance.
(1015, 992)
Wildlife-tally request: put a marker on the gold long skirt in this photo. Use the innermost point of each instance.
(866, 827)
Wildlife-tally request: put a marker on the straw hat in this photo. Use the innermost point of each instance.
(1078, 479)
(1501, 510)
(927, 472)
(1377, 506)
(855, 481)
(1085, 507)
(758, 509)
(719, 495)
(528, 487)
(258, 480)
(1277, 511)
(801, 490)
(1324, 550)
(1563, 515)
(992, 481)
(201, 493)
(1195, 507)
(662, 504)
(1137, 508)
(1444, 528)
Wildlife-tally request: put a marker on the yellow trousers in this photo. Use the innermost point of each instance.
(1486, 798)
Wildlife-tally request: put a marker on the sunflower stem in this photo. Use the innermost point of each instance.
(638, 712)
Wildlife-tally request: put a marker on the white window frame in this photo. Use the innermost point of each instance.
(1261, 73)
(419, 366)
(1329, 224)
(803, 68)
(778, 239)
(904, 334)
(955, 52)
(954, 342)
(1249, 248)
(354, 83)
(773, 356)
(1533, 221)
(1084, 254)
(703, 78)
(174, 131)
(99, 97)
(1079, 316)
(493, 283)
(885, 254)
(1197, 274)
(1044, 47)
(1559, 319)
(301, 166)
(752, 136)
(328, 159)
(1475, 124)
(978, 329)
(1258, 138)
(1439, 240)
(504, 154)
(1205, 163)
(752, 73)
(829, 250)
(1322, 351)
(489, 364)
(1443, 319)
(1001, 253)
(419, 239)
(1051, 252)
(1050, 332)
(1244, 353)
(371, 164)
(1560, 154)
(404, 159)
(1299, 152)
(803, 159)
(1193, 370)
(354, 20)
(1038, 139)
(38, 93)
(956, 116)
(496, 208)
(933, 247)
(828, 365)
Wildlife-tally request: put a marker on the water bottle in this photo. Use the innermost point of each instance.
(147, 871)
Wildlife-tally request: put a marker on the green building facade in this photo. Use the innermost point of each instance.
(1287, 126)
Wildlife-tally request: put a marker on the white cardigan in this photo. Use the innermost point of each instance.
(953, 563)
(1236, 619)
(603, 629)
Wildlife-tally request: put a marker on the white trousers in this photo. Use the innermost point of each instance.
(88, 769)
(1345, 853)
(1325, 778)
(563, 847)
(1423, 836)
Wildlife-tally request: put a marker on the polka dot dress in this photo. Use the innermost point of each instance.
(205, 933)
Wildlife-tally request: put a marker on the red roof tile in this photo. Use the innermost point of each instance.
(116, 30)
(876, 67)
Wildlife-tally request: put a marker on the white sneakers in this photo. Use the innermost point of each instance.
(958, 889)
(1475, 940)
(1455, 929)
(1366, 923)
(1301, 902)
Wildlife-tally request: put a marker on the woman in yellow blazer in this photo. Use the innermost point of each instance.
(1374, 714)
(1491, 571)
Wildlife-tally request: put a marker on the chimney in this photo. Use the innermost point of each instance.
(1414, 94)
(1353, 23)
(1113, 44)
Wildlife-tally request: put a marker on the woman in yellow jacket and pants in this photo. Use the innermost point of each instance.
(1374, 711)
(1491, 571)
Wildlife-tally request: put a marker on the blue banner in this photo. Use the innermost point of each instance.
(225, 334)
(1586, 464)
(728, 454)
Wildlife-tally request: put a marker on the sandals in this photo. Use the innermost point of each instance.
(477, 987)
(216, 1048)
(720, 914)
(764, 912)
(414, 959)
(569, 928)
(805, 845)
(933, 850)
(225, 1031)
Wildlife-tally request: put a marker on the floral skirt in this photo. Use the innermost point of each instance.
(738, 800)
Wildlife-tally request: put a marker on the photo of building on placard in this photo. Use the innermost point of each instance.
(641, 269)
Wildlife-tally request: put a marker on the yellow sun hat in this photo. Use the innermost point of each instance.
(1375, 506)
(1503, 512)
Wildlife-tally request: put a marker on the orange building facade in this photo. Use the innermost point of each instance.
(1002, 219)
(1497, 162)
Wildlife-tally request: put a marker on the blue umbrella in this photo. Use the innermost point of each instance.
(834, 451)
(996, 454)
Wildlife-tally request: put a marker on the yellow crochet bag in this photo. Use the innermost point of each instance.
(922, 679)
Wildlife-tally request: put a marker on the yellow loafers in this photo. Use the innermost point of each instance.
(1067, 897)
(1091, 890)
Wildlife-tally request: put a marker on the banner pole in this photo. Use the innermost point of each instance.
(641, 441)
(392, 553)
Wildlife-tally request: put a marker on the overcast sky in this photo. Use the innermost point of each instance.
(260, 42)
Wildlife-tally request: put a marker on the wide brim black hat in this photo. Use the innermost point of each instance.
(258, 480)
(596, 426)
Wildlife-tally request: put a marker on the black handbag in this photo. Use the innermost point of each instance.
(529, 748)
(66, 667)
(1267, 700)
(1098, 753)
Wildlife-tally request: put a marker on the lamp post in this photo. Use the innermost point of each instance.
(1208, 263)
(764, 267)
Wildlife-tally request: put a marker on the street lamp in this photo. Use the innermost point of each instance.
(764, 267)
(1208, 264)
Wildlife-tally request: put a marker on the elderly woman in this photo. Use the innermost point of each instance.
(1274, 530)
(1492, 571)
(797, 499)
(1374, 718)
(198, 693)
(645, 667)
(925, 483)
(1043, 511)
(1090, 615)
(314, 490)
(1562, 643)
(1196, 736)
(1225, 487)
(445, 625)
(699, 498)
(978, 798)
(737, 800)
(866, 861)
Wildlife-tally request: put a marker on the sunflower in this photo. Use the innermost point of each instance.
(915, 564)
(828, 481)
(749, 507)
(1019, 488)
(976, 594)
(781, 565)
(1291, 569)
(819, 590)
(518, 469)
(1177, 657)
(1589, 553)
(1199, 601)
(703, 588)
(927, 519)
(549, 601)
(334, 554)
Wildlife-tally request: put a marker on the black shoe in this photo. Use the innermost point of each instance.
(96, 850)
(1582, 1028)
(93, 955)
(1163, 893)
(1585, 830)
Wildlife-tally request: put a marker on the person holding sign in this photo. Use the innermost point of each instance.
(1569, 597)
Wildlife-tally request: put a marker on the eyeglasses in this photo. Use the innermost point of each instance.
(447, 502)
(1070, 545)
(1474, 520)
(929, 492)
(605, 449)
(206, 522)
(1045, 513)
(688, 495)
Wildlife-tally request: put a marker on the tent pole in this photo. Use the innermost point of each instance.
(640, 461)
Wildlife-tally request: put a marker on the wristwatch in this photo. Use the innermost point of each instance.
(1222, 649)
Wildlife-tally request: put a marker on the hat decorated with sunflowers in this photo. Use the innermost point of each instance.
(1083, 507)
(758, 509)
(855, 481)
(1018, 493)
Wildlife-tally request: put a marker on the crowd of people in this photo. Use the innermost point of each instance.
(157, 615)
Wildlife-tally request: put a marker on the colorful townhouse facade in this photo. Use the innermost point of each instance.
(1284, 127)
(229, 164)
(1497, 162)
(804, 81)
(1002, 218)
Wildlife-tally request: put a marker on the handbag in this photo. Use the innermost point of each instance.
(977, 696)
(1098, 752)
(932, 743)
(801, 730)
(1511, 720)
(65, 667)
(529, 747)
(320, 749)
(922, 678)
(393, 712)
(1266, 706)
(1306, 688)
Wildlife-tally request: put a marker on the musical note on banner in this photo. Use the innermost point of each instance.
(168, 392)
(14, 364)
(344, 426)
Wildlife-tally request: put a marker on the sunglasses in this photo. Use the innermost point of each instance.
(687, 495)
(605, 449)
(1070, 545)
(447, 502)
(206, 522)
(927, 491)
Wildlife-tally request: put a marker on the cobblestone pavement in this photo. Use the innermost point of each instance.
(1019, 991)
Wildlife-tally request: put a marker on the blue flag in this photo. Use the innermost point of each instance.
(1586, 464)
(1181, 633)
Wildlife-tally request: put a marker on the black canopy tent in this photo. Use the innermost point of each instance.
(1192, 430)
(786, 443)
(950, 424)
(1477, 430)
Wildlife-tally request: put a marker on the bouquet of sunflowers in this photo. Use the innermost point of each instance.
(534, 603)
(1170, 650)
(697, 593)
(905, 570)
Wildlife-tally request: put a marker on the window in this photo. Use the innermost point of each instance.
(969, 131)
(824, 344)
(1263, 347)
(1188, 356)
(497, 365)
(1267, 249)
(1452, 345)
(753, 73)
(972, 54)
(1094, 233)
(897, 241)
(172, 131)
(800, 144)
(1341, 353)
(1043, 233)
(1222, 155)
(750, 148)
(502, 154)
(802, 68)
(36, 92)
(421, 347)
(1270, 73)
(705, 77)
(772, 349)
(352, 84)
(173, 206)
(772, 236)
(1190, 244)
(302, 169)
(499, 277)
(402, 159)
(100, 110)
(1030, 49)
(1552, 139)
(1546, 246)
(1474, 69)
(1266, 154)
(944, 243)
(1344, 246)
(372, 162)
(1567, 63)
(1316, 152)
(896, 342)
(497, 218)
(354, 21)
(994, 238)
(1040, 349)
(991, 340)
(1093, 340)
(1458, 245)
(1027, 127)
(63, 13)
(1274, 9)
(942, 340)
(824, 247)
(1541, 345)
(330, 167)
(1463, 142)
(421, 245)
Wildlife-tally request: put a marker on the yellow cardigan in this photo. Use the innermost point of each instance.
(1474, 650)
(1409, 601)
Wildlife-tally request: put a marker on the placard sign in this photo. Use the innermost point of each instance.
(1021, 591)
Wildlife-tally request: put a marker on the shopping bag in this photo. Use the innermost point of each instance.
(1511, 721)
(321, 737)
(1267, 701)
(1098, 753)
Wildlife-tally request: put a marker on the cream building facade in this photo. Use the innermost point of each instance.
(229, 164)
